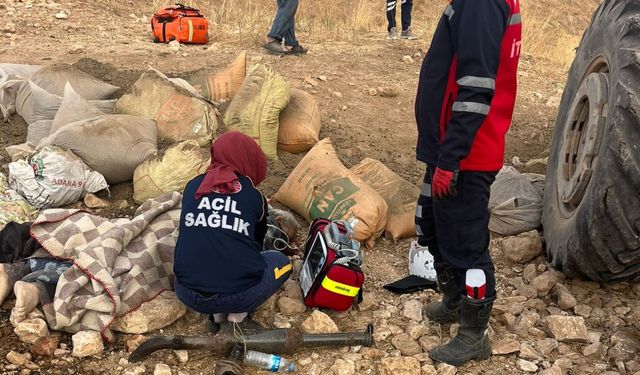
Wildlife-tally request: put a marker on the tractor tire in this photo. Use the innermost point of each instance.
(591, 215)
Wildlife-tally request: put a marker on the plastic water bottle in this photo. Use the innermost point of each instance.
(270, 362)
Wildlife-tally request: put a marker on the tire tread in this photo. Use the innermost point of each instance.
(602, 240)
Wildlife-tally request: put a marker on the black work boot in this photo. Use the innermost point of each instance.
(472, 340)
(445, 311)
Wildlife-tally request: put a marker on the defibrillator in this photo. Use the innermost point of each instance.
(331, 276)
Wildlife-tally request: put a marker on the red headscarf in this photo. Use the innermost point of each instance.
(233, 152)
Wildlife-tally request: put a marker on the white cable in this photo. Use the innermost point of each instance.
(238, 334)
(347, 259)
(284, 243)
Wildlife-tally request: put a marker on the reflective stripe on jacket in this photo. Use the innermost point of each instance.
(467, 87)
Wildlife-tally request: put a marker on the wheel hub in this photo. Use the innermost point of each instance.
(582, 139)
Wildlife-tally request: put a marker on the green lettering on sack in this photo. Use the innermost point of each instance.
(38, 167)
(342, 208)
(331, 199)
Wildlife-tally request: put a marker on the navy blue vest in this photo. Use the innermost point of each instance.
(216, 250)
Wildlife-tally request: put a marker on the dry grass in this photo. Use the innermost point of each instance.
(316, 20)
(552, 28)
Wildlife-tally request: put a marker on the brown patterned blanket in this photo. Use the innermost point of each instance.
(117, 264)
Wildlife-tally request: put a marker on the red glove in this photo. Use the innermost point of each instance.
(443, 183)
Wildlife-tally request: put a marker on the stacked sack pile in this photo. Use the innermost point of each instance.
(369, 194)
(279, 117)
(81, 138)
(54, 100)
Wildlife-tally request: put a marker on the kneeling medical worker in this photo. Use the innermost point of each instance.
(219, 263)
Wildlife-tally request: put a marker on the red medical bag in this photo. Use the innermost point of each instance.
(331, 276)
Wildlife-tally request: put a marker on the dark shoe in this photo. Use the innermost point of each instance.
(472, 341)
(275, 47)
(212, 326)
(445, 311)
(298, 50)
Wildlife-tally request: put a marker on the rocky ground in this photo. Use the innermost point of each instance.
(542, 321)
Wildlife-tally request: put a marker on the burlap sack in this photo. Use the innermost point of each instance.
(299, 123)
(44, 106)
(70, 108)
(171, 172)
(221, 85)
(113, 145)
(255, 110)
(53, 177)
(38, 131)
(12, 76)
(400, 195)
(515, 204)
(39, 105)
(320, 186)
(22, 70)
(73, 108)
(52, 80)
(179, 114)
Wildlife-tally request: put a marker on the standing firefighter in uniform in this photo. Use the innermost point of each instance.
(464, 105)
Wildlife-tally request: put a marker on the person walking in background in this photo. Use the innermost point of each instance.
(283, 30)
(464, 104)
(406, 6)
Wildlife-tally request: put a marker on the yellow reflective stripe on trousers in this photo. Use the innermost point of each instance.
(279, 272)
(190, 30)
(340, 288)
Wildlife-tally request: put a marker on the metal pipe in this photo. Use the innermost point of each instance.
(339, 339)
(217, 344)
(277, 341)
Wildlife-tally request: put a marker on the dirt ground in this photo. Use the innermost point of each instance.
(359, 125)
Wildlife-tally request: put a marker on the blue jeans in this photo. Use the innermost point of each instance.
(45, 273)
(46, 270)
(283, 26)
(277, 271)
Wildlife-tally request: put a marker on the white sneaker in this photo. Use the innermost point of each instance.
(421, 262)
(236, 317)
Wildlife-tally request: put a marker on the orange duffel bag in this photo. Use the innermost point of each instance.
(181, 23)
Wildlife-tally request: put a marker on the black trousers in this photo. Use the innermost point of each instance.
(456, 229)
(406, 6)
